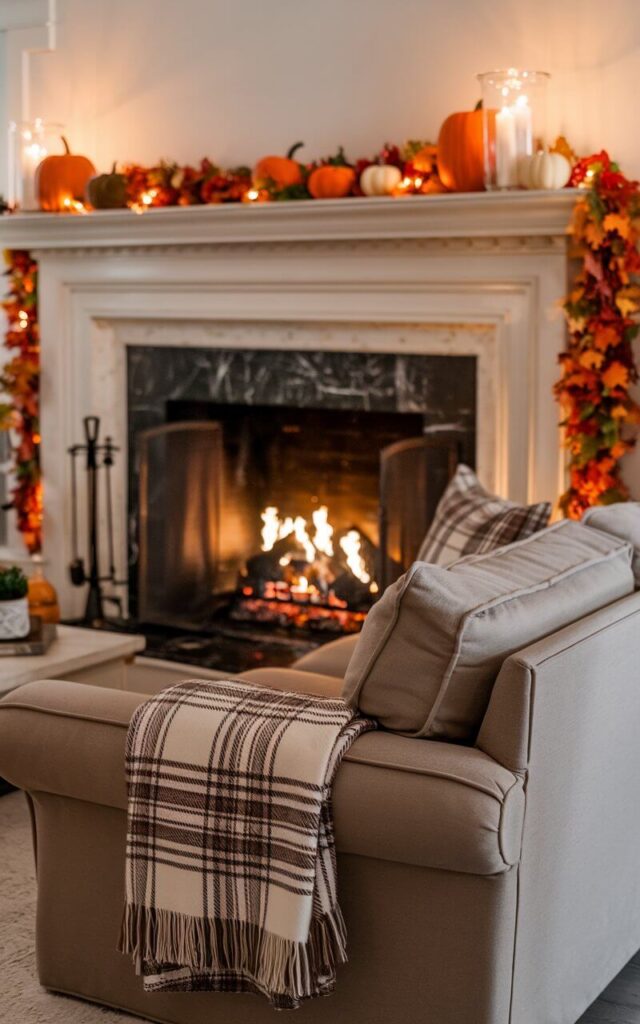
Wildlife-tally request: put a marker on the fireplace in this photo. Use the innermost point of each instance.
(472, 277)
(255, 484)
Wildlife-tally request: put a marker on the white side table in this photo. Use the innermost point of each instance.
(92, 656)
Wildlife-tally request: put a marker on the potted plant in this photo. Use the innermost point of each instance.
(14, 605)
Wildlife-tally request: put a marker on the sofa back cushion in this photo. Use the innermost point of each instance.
(621, 520)
(432, 647)
(471, 520)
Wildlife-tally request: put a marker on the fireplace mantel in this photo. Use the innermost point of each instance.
(479, 215)
(477, 275)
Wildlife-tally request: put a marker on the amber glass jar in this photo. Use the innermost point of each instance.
(43, 599)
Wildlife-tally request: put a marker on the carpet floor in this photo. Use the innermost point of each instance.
(23, 1001)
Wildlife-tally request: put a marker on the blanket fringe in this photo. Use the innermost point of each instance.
(274, 965)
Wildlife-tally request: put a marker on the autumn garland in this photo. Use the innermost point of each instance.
(599, 368)
(169, 184)
(19, 382)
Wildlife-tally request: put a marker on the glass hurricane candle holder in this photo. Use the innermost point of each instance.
(514, 105)
(29, 143)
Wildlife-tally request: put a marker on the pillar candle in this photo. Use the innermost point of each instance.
(506, 149)
(32, 156)
(524, 127)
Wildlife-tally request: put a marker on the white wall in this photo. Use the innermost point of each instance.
(141, 79)
(138, 79)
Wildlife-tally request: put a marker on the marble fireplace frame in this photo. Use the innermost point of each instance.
(459, 275)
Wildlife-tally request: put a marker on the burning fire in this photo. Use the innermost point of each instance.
(306, 582)
(351, 544)
(324, 531)
(275, 528)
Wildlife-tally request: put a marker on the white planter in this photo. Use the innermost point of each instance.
(14, 619)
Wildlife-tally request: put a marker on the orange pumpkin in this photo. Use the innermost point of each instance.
(281, 171)
(461, 151)
(61, 180)
(331, 181)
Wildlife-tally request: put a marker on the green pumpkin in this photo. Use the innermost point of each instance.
(107, 191)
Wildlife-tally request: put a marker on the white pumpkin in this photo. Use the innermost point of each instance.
(544, 171)
(380, 179)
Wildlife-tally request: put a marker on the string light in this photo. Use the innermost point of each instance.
(145, 201)
(73, 205)
(409, 184)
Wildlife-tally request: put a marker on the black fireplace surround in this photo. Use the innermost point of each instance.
(300, 429)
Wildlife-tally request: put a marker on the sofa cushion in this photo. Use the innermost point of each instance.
(621, 520)
(470, 520)
(432, 647)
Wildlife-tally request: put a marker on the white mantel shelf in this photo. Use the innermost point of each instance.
(463, 215)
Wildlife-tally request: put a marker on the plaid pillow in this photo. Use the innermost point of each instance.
(469, 520)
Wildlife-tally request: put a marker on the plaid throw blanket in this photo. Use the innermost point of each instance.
(230, 863)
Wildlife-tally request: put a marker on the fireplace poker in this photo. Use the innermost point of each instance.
(98, 456)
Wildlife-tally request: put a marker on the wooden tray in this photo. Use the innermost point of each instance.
(40, 638)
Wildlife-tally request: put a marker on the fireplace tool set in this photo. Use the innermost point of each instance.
(98, 461)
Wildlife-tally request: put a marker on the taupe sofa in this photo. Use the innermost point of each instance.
(490, 884)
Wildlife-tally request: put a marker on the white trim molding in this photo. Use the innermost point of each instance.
(479, 275)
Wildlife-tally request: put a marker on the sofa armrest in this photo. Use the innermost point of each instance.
(397, 799)
(67, 738)
(567, 710)
(505, 733)
(330, 659)
(295, 680)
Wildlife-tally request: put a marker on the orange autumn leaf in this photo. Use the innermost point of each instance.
(579, 379)
(563, 146)
(619, 449)
(576, 325)
(619, 412)
(617, 222)
(592, 360)
(615, 376)
(621, 268)
(579, 220)
(605, 337)
(594, 234)
(626, 306)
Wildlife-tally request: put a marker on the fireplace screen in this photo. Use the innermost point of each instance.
(180, 469)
